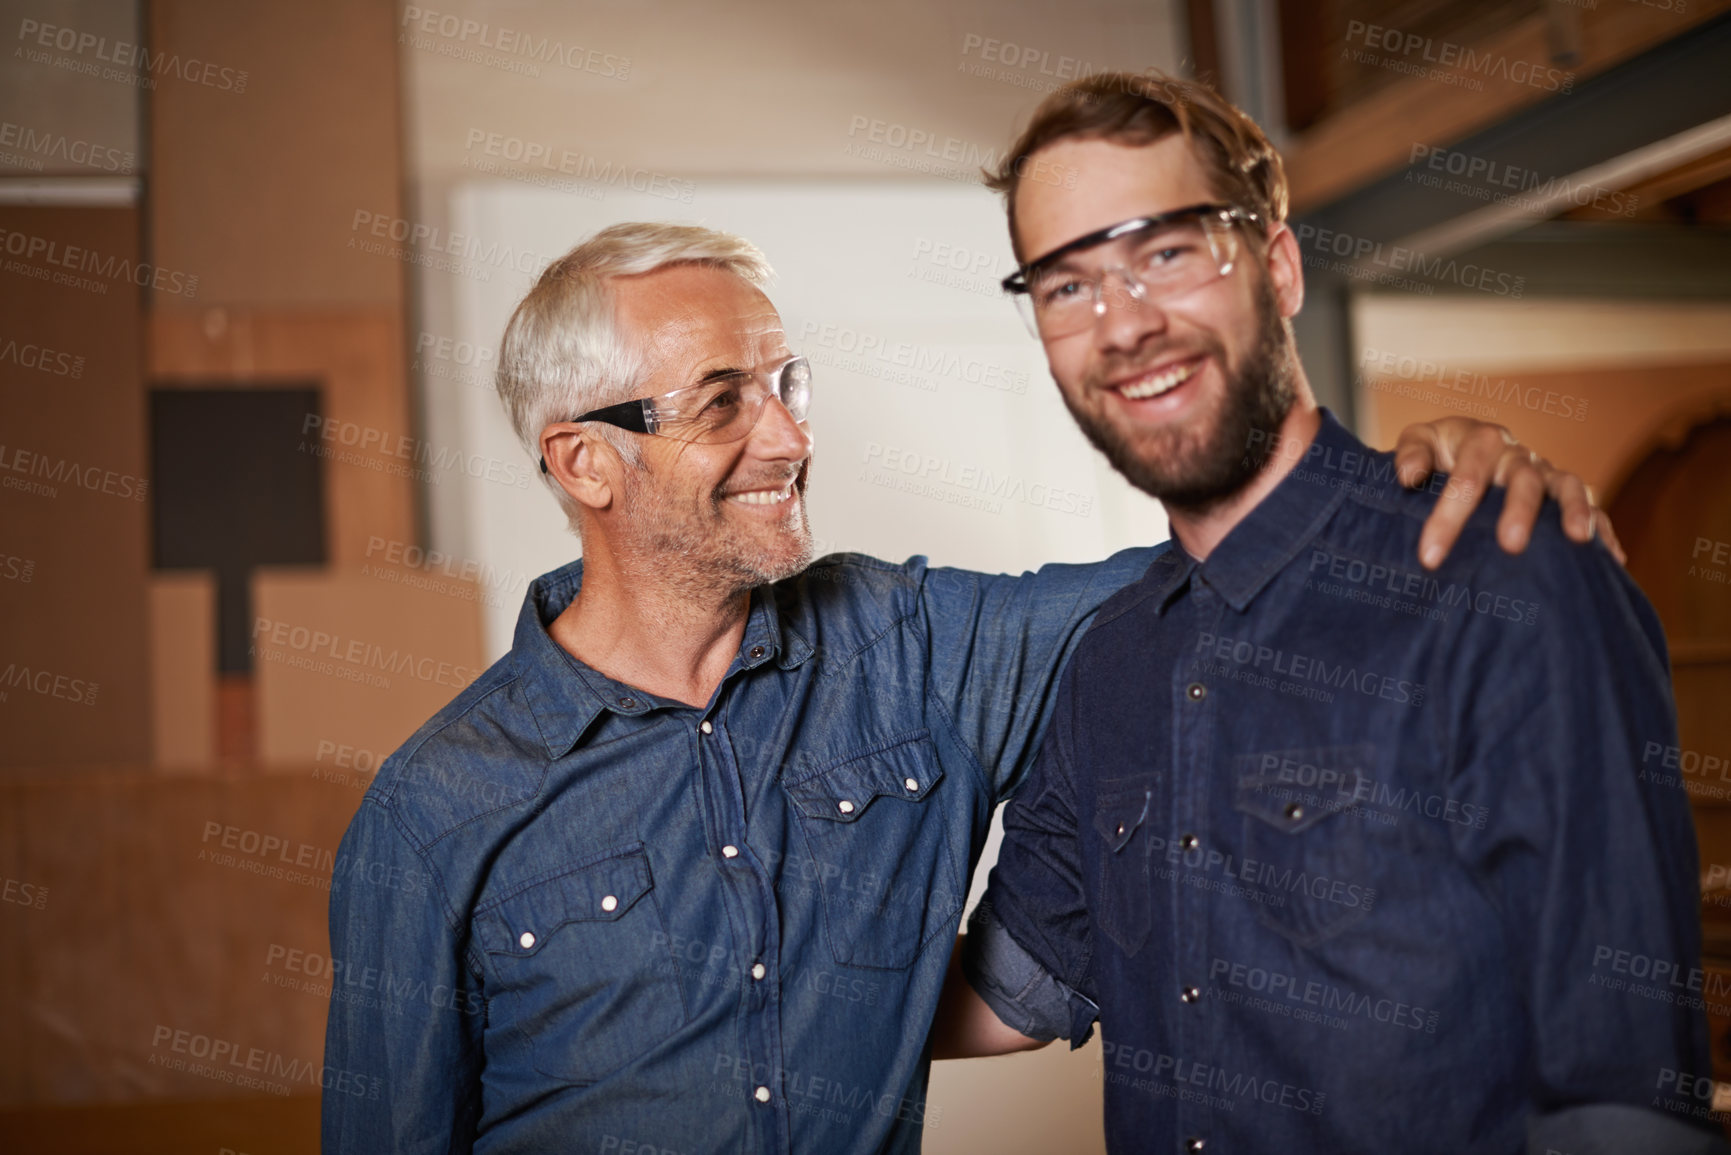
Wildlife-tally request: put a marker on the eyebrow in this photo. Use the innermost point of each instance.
(1065, 263)
(718, 374)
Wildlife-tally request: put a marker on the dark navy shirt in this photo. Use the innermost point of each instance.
(1346, 856)
(572, 916)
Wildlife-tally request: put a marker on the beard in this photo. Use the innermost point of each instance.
(709, 556)
(1196, 467)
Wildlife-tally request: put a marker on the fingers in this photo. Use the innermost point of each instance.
(1478, 456)
(1484, 457)
(1523, 499)
(1577, 502)
(1441, 530)
(1418, 454)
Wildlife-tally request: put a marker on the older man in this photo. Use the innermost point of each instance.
(1340, 854)
(734, 798)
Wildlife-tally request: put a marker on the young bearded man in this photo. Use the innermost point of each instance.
(1339, 853)
(683, 870)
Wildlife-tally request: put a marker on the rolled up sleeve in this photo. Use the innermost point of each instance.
(1029, 944)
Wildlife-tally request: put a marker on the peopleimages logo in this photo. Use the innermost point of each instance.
(441, 459)
(356, 656)
(924, 150)
(40, 144)
(42, 359)
(124, 270)
(1385, 581)
(553, 160)
(960, 483)
(59, 470)
(920, 359)
(1457, 61)
(1276, 984)
(1382, 365)
(509, 48)
(227, 1059)
(469, 252)
(49, 684)
(100, 50)
(1485, 178)
(1367, 258)
(1302, 668)
(1171, 1076)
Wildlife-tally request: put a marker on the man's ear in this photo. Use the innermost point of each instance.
(585, 467)
(1286, 271)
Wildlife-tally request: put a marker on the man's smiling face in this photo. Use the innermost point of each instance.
(731, 513)
(1168, 390)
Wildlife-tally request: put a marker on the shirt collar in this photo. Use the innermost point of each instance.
(566, 695)
(1170, 573)
(1278, 528)
(1274, 532)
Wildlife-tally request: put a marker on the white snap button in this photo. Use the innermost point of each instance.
(844, 806)
(610, 903)
(730, 852)
(706, 727)
(762, 1094)
(757, 971)
(911, 783)
(527, 940)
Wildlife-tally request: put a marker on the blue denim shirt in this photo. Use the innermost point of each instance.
(1349, 857)
(572, 916)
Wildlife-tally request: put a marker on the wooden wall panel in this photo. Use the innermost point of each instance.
(357, 659)
(256, 180)
(161, 901)
(74, 491)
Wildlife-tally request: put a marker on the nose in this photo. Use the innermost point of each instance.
(777, 436)
(1125, 315)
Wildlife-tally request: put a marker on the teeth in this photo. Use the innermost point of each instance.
(762, 496)
(1164, 383)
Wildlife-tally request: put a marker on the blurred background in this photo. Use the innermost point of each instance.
(262, 514)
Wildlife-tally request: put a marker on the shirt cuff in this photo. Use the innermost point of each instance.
(1020, 991)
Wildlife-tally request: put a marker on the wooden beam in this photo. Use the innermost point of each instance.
(1375, 137)
(1651, 194)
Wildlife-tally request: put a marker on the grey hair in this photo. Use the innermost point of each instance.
(563, 355)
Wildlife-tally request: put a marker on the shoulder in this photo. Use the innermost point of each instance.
(1583, 596)
(844, 600)
(482, 752)
(1556, 596)
(1121, 612)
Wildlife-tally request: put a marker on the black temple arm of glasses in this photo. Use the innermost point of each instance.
(626, 415)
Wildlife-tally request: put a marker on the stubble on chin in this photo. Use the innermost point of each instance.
(790, 555)
(1198, 466)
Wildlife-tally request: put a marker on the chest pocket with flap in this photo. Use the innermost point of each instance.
(879, 839)
(576, 966)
